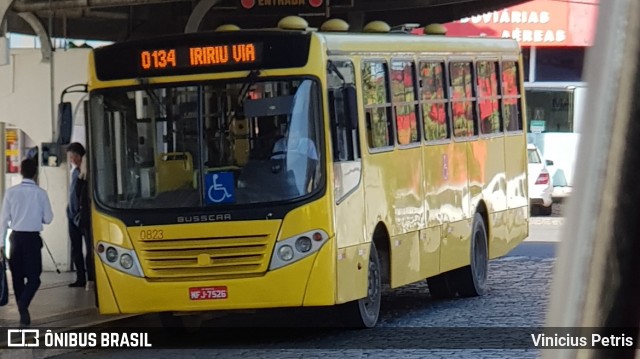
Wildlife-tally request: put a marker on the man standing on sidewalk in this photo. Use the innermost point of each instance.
(77, 212)
(24, 209)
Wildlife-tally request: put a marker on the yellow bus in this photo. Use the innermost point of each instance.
(294, 167)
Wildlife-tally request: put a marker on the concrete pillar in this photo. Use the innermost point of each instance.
(4, 50)
(3, 163)
(4, 60)
(4, 41)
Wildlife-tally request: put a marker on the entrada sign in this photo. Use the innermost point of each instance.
(289, 7)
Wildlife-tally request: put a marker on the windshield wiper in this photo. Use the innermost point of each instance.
(331, 66)
(250, 80)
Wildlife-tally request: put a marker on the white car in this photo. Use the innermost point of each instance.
(540, 185)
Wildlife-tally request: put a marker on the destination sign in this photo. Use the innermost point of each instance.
(200, 56)
(202, 53)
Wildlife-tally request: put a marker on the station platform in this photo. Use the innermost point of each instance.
(56, 305)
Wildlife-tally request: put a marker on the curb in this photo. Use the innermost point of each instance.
(62, 316)
(33, 353)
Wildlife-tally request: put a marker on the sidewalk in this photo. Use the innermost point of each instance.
(55, 305)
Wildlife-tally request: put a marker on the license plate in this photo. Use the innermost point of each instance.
(207, 293)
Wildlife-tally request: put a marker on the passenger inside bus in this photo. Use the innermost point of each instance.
(301, 145)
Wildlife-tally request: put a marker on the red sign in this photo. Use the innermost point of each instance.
(290, 7)
(248, 4)
(535, 23)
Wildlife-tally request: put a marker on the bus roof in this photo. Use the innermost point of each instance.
(202, 52)
(337, 43)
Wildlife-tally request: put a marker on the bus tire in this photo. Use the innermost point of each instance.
(441, 286)
(364, 313)
(471, 281)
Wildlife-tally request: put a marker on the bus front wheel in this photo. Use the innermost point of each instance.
(471, 281)
(363, 313)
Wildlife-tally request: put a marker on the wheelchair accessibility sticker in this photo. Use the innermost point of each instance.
(219, 187)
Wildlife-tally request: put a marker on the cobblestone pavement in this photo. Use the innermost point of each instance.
(517, 299)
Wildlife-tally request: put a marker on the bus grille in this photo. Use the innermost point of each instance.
(205, 257)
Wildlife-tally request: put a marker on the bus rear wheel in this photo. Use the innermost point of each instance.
(471, 281)
(363, 313)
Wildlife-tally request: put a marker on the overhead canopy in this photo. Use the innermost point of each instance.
(117, 20)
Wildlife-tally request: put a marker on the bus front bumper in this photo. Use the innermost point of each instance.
(307, 282)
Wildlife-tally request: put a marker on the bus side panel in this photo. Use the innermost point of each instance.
(436, 174)
(394, 190)
(321, 287)
(353, 263)
(487, 167)
(350, 220)
(517, 196)
(405, 259)
(455, 245)
(106, 300)
(430, 240)
(455, 210)
(518, 230)
(350, 238)
(378, 193)
(406, 178)
(498, 231)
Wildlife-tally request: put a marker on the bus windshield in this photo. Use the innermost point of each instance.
(246, 142)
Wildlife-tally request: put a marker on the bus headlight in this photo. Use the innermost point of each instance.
(285, 253)
(303, 244)
(122, 259)
(293, 249)
(112, 254)
(126, 261)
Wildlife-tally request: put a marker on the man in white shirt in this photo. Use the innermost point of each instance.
(24, 209)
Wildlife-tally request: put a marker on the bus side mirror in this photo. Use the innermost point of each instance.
(65, 123)
(549, 163)
(350, 105)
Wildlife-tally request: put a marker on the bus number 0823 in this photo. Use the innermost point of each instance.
(158, 59)
(152, 234)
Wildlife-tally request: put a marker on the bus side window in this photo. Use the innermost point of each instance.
(341, 98)
(511, 96)
(462, 100)
(433, 100)
(488, 97)
(404, 101)
(377, 103)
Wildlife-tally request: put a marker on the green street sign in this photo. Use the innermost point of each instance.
(537, 126)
